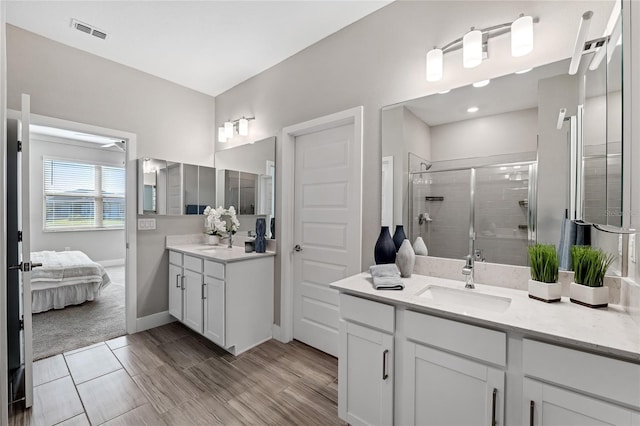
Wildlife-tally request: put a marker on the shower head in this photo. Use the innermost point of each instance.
(426, 166)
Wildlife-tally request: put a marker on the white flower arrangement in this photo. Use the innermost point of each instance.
(221, 221)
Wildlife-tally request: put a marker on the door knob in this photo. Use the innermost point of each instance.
(297, 247)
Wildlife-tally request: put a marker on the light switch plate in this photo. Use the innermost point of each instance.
(146, 224)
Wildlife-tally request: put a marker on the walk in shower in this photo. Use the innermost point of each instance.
(482, 206)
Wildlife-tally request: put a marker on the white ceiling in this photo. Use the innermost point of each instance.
(209, 46)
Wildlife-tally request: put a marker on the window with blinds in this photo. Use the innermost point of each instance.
(82, 196)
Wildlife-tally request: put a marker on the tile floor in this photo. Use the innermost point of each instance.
(170, 375)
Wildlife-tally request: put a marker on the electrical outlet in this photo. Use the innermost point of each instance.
(146, 224)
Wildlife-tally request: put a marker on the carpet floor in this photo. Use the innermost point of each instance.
(61, 330)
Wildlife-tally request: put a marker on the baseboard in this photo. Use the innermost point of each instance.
(276, 332)
(154, 320)
(112, 262)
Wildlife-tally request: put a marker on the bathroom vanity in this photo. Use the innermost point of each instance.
(437, 353)
(222, 293)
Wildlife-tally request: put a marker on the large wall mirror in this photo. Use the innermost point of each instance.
(246, 180)
(489, 170)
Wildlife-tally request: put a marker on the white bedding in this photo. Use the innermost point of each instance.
(65, 278)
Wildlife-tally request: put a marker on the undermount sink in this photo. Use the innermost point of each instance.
(466, 299)
(213, 248)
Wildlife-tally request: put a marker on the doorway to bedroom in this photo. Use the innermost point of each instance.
(77, 196)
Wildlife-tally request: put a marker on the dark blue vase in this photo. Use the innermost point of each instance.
(385, 250)
(261, 242)
(398, 236)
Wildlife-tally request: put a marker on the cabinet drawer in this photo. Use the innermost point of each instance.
(595, 374)
(175, 258)
(214, 269)
(373, 314)
(192, 263)
(469, 340)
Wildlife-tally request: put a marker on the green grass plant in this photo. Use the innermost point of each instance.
(590, 265)
(543, 260)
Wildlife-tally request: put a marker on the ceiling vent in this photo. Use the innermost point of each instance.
(88, 29)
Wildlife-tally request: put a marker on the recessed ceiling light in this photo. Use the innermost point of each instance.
(472, 109)
(503, 168)
(524, 71)
(481, 83)
(444, 92)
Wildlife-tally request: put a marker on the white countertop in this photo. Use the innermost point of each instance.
(610, 331)
(219, 253)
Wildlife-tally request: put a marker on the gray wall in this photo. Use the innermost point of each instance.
(170, 122)
(380, 60)
(98, 245)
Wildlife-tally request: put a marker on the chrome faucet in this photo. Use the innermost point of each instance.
(467, 271)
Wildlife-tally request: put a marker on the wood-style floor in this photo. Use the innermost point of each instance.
(170, 375)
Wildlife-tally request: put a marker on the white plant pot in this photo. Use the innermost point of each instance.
(212, 240)
(547, 292)
(593, 297)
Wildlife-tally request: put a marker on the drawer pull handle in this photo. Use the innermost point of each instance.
(532, 407)
(385, 361)
(493, 407)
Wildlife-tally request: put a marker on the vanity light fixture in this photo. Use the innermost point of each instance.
(474, 45)
(241, 126)
(581, 38)
(561, 114)
(612, 32)
(473, 109)
(481, 83)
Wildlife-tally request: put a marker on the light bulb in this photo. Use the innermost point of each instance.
(434, 65)
(228, 129)
(472, 49)
(243, 127)
(473, 109)
(222, 135)
(481, 83)
(522, 36)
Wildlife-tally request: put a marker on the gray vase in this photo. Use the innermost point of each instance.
(406, 259)
(420, 248)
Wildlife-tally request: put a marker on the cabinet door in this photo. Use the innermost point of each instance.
(444, 389)
(193, 295)
(549, 405)
(365, 370)
(175, 291)
(214, 312)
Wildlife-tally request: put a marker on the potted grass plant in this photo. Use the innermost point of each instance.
(543, 285)
(589, 267)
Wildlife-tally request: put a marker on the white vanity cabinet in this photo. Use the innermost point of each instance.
(452, 373)
(230, 303)
(365, 367)
(567, 387)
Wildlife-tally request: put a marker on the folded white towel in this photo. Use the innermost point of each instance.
(384, 270)
(388, 283)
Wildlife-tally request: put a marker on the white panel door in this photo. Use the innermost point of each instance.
(444, 389)
(548, 405)
(365, 376)
(327, 230)
(193, 300)
(175, 291)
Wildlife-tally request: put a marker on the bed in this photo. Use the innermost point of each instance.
(65, 278)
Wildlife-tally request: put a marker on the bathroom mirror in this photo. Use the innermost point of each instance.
(245, 180)
(504, 167)
(170, 188)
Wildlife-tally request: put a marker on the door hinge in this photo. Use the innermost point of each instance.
(22, 323)
(19, 236)
(19, 146)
